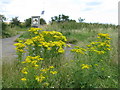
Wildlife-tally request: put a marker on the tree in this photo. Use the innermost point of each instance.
(80, 19)
(42, 21)
(60, 18)
(2, 23)
(72, 20)
(28, 22)
(65, 18)
(3, 26)
(15, 22)
(2, 18)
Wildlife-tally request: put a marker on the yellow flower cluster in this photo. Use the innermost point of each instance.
(32, 60)
(101, 45)
(47, 39)
(54, 34)
(24, 70)
(39, 78)
(101, 35)
(49, 69)
(60, 44)
(20, 47)
(86, 66)
(29, 42)
(43, 72)
(23, 79)
(53, 72)
(35, 30)
(79, 50)
(38, 38)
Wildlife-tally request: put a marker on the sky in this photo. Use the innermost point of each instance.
(94, 11)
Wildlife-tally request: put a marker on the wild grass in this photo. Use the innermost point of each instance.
(10, 73)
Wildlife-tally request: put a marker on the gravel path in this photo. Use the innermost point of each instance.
(7, 49)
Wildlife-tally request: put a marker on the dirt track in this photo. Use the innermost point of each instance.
(7, 49)
(8, 52)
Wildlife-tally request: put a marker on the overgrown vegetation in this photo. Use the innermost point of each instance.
(92, 63)
(8, 30)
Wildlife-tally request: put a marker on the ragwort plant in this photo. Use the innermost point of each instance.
(92, 62)
(35, 53)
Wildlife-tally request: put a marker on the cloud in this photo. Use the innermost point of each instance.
(5, 1)
(93, 3)
(88, 9)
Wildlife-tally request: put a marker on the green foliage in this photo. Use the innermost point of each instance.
(42, 21)
(61, 18)
(6, 30)
(11, 29)
(4, 25)
(15, 22)
(2, 18)
(27, 22)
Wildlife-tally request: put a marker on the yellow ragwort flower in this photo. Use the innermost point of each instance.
(51, 66)
(86, 66)
(53, 72)
(23, 79)
(40, 78)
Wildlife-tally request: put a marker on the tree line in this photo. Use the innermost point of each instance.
(27, 22)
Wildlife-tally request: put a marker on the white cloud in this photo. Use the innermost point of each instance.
(105, 11)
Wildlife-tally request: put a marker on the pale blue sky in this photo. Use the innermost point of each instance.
(101, 11)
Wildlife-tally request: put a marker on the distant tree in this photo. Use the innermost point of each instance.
(60, 18)
(65, 18)
(2, 18)
(52, 19)
(3, 25)
(80, 19)
(15, 22)
(42, 21)
(28, 22)
(72, 20)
